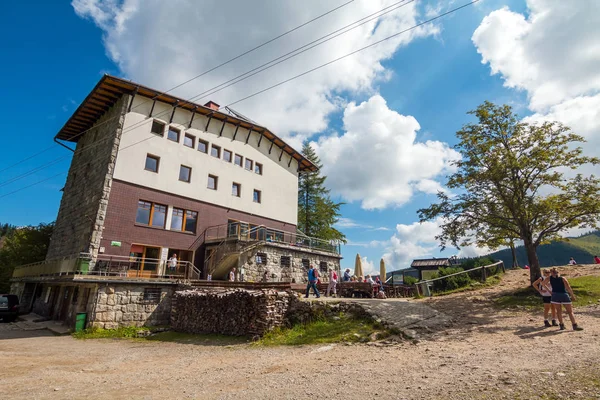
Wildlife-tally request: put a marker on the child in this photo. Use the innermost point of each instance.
(560, 286)
(546, 297)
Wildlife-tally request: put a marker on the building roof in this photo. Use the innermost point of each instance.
(431, 262)
(110, 89)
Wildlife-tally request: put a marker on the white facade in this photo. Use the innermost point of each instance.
(278, 183)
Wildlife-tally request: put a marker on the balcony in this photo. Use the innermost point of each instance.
(252, 233)
(109, 266)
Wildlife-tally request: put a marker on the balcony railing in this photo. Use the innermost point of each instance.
(107, 265)
(246, 232)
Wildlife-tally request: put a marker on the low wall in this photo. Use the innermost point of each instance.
(243, 312)
(131, 305)
(229, 311)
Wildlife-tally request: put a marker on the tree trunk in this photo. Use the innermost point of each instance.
(515, 262)
(532, 258)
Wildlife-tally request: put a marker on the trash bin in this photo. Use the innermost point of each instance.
(80, 320)
(84, 265)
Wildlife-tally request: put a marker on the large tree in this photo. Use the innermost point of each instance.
(317, 213)
(22, 246)
(511, 183)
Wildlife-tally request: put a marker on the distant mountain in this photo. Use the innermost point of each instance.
(582, 249)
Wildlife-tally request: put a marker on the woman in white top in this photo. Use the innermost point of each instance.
(546, 292)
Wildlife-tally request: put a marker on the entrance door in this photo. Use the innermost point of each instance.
(146, 262)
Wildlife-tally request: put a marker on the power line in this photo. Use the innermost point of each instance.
(270, 64)
(304, 73)
(196, 77)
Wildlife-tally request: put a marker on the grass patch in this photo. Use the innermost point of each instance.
(97, 333)
(586, 289)
(343, 328)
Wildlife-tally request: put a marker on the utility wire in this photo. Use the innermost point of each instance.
(304, 73)
(257, 70)
(196, 77)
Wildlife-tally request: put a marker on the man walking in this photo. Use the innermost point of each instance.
(312, 281)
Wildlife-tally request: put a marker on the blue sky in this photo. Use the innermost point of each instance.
(435, 77)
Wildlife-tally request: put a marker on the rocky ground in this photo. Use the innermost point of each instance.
(485, 353)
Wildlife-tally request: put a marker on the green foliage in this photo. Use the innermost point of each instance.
(22, 246)
(6, 229)
(97, 333)
(453, 282)
(410, 280)
(504, 165)
(317, 213)
(586, 289)
(342, 329)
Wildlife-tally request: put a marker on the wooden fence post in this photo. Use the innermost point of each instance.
(483, 274)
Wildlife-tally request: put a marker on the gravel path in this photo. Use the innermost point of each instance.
(488, 354)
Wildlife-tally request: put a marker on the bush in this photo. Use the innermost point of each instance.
(453, 282)
(472, 263)
(410, 280)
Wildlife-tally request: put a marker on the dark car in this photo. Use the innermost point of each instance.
(9, 307)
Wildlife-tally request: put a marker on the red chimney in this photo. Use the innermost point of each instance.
(212, 105)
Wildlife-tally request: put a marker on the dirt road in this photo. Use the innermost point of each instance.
(487, 354)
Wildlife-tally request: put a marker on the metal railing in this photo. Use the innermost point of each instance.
(246, 232)
(109, 265)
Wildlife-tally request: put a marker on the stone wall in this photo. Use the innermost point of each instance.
(83, 205)
(253, 271)
(124, 305)
(229, 311)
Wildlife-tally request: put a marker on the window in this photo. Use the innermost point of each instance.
(152, 294)
(143, 212)
(190, 222)
(188, 140)
(236, 189)
(258, 168)
(227, 155)
(202, 146)
(261, 258)
(213, 182)
(151, 214)
(286, 261)
(185, 173)
(248, 164)
(173, 134)
(323, 266)
(152, 163)
(238, 160)
(256, 197)
(177, 219)
(184, 220)
(158, 215)
(306, 263)
(215, 151)
(158, 128)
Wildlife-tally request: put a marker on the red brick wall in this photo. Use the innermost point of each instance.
(122, 207)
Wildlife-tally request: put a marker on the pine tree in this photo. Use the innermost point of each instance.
(316, 211)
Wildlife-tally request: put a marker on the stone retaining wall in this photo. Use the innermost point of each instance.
(125, 305)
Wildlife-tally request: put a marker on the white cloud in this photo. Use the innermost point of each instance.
(378, 160)
(553, 54)
(162, 44)
(349, 223)
(416, 240)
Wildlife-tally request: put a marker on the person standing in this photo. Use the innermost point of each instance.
(347, 276)
(560, 297)
(173, 263)
(331, 287)
(232, 275)
(312, 282)
(546, 293)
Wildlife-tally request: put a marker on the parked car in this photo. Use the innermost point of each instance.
(9, 307)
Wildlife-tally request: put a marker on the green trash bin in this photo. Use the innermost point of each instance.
(80, 321)
(84, 265)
